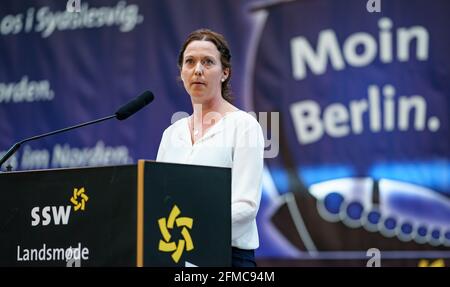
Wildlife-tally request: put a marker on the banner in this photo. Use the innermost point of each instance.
(363, 166)
(352, 96)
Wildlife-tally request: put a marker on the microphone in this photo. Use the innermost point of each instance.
(134, 105)
(122, 113)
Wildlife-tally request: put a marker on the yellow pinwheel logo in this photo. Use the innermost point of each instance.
(184, 223)
(79, 199)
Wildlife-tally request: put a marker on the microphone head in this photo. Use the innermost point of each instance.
(134, 105)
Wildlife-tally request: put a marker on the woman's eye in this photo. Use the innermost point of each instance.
(208, 62)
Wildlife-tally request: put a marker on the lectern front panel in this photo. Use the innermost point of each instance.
(69, 217)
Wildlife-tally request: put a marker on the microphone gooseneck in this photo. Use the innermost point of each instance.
(122, 113)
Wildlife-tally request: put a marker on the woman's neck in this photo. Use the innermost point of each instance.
(206, 115)
(214, 109)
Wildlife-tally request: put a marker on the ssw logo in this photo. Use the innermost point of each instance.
(50, 214)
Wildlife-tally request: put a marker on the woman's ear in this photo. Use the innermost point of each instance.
(226, 73)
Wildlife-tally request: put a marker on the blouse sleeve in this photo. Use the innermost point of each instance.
(162, 147)
(247, 169)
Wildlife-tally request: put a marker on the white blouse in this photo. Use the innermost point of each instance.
(235, 141)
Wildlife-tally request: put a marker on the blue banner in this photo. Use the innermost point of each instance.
(352, 96)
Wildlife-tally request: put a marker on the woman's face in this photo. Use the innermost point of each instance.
(202, 72)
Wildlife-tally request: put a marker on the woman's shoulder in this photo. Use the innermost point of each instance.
(243, 117)
(243, 122)
(177, 125)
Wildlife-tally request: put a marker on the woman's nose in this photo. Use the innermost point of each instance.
(198, 69)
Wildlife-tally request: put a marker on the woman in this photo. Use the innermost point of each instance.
(219, 134)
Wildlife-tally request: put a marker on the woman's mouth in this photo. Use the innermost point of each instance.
(198, 83)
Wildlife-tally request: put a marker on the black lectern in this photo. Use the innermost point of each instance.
(149, 214)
